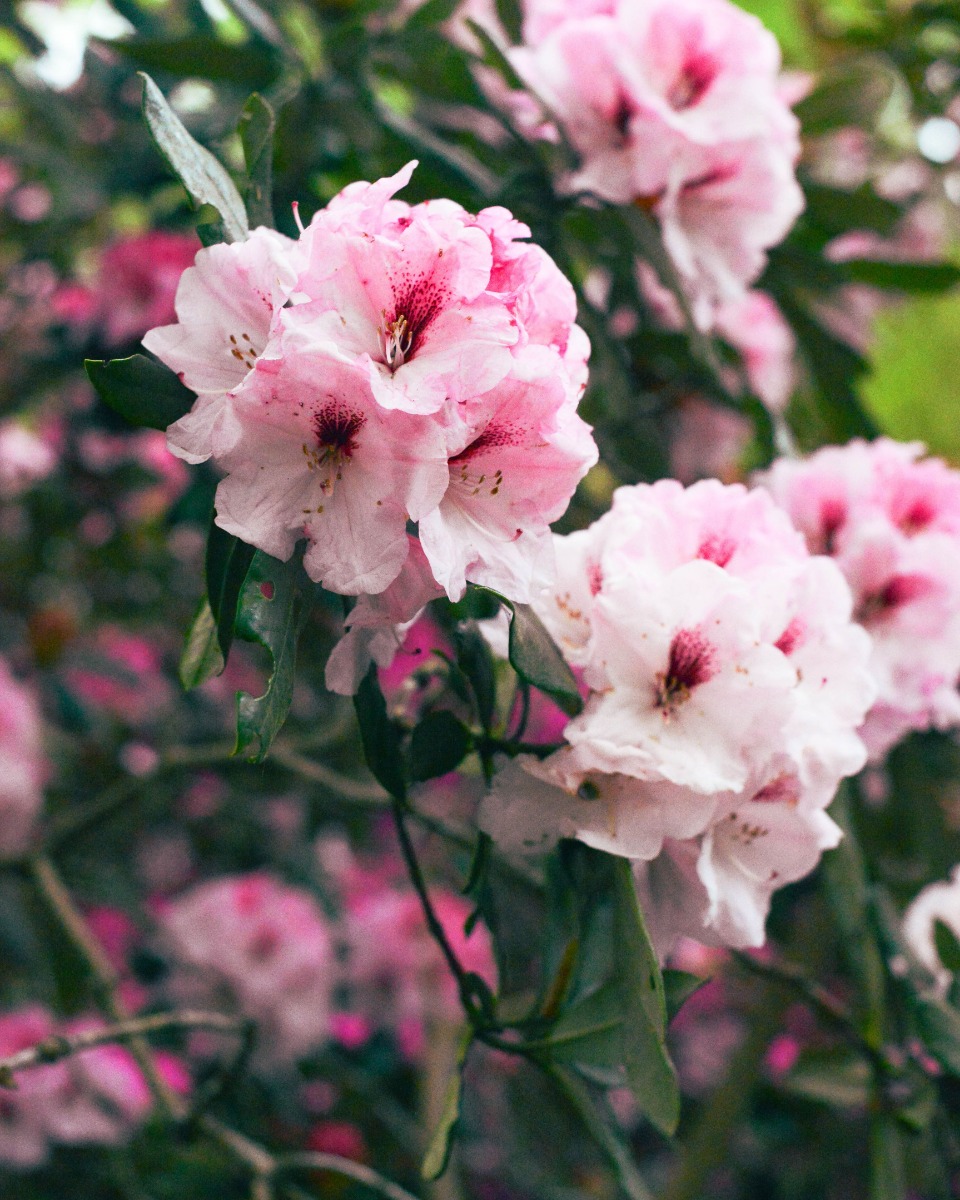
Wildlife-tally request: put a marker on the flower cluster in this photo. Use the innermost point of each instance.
(95, 1097)
(396, 363)
(22, 764)
(264, 945)
(890, 519)
(725, 683)
(676, 106)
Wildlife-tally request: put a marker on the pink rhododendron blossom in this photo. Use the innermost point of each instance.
(726, 683)
(95, 1097)
(268, 946)
(676, 107)
(936, 902)
(25, 459)
(890, 519)
(22, 764)
(398, 363)
(396, 971)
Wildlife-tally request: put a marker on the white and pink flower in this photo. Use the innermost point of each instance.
(890, 519)
(726, 682)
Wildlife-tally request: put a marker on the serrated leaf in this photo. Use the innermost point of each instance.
(204, 177)
(142, 391)
(536, 657)
(948, 947)
(256, 128)
(381, 741)
(438, 744)
(441, 1143)
(227, 563)
(650, 1072)
(202, 657)
(274, 605)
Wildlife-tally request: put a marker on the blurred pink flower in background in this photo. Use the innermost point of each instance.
(25, 458)
(23, 766)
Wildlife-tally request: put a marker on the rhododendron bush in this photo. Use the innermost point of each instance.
(480, 590)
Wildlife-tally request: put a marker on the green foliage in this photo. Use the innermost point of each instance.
(536, 658)
(437, 1157)
(227, 562)
(381, 741)
(204, 178)
(438, 744)
(273, 608)
(202, 656)
(142, 391)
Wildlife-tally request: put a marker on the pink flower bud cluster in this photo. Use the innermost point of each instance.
(725, 684)
(263, 946)
(936, 902)
(22, 764)
(96, 1097)
(890, 519)
(676, 106)
(394, 364)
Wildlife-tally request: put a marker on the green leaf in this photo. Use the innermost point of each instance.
(431, 14)
(200, 58)
(678, 987)
(142, 391)
(227, 562)
(273, 609)
(476, 663)
(493, 56)
(887, 1169)
(204, 177)
(643, 1005)
(903, 276)
(438, 744)
(837, 1078)
(590, 1032)
(948, 947)
(381, 741)
(535, 657)
(202, 657)
(438, 1152)
(256, 128)
(939, 1027)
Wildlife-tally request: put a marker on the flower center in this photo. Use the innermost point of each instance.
(396, 341)
(692, 661)
(336, 430)
(688, 88)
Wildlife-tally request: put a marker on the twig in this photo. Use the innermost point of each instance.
(57, 1047)
(353, 789)
(821, 1001)
(317, 1161)
(104, 978)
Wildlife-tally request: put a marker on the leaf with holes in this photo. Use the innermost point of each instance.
(273, 608)
(204, 177)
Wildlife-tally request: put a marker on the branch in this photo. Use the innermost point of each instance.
(317, 1161)
(53, 1049)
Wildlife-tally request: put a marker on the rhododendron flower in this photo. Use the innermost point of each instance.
(269, 946)
(673, 106)
(936, 902)
(726, 682)
(891, 521)
(398, 363)
(22, 764)
(226, 305)
(25, 459)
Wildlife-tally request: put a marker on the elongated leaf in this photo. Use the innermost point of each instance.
(441, 1143)
(202, 657)
(227, 562)
(678, 987)
(257, 124)
(939, 1026)
(201, 58)
(273, 608)
(142, 391)
(439, 744)
(903, 276)
(494, 57)
(474, 660)
(204, 177)
(535, 657)
(381, 742)
(650, 1072)
(591, 1031)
